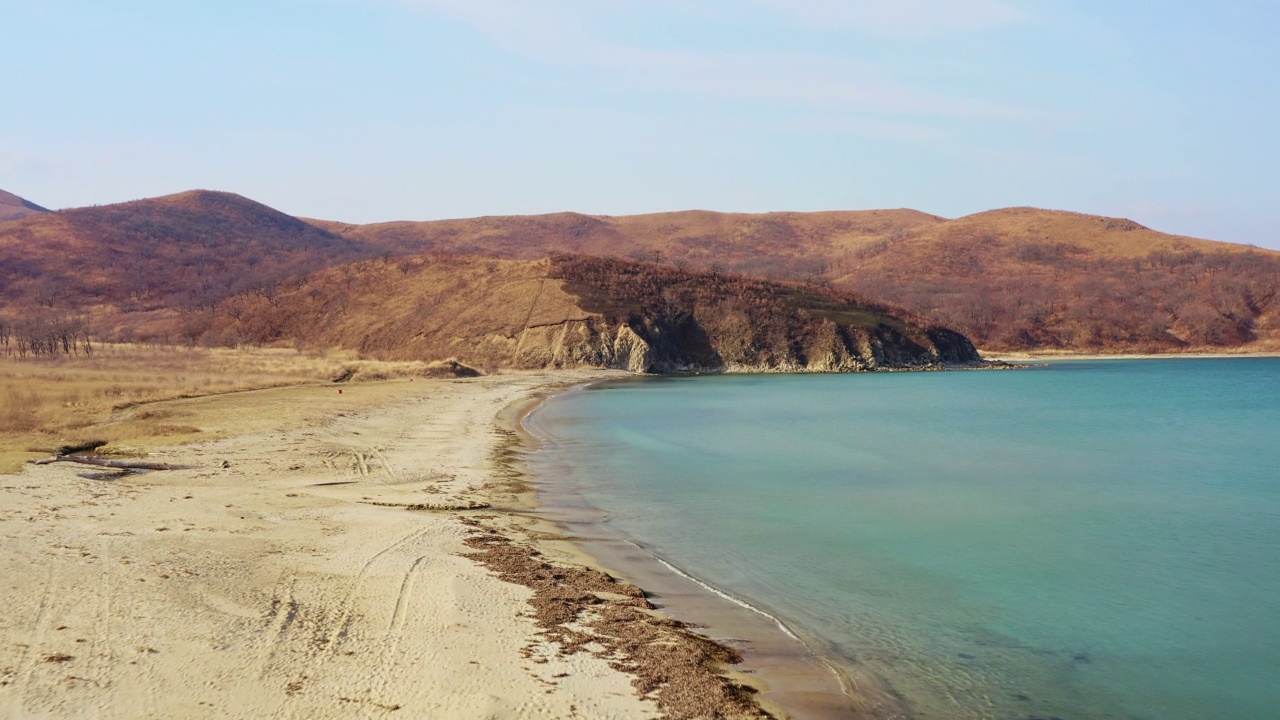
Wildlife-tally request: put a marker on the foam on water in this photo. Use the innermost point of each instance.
(1086, 541)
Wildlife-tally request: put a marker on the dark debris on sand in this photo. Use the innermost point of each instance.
(679, 669)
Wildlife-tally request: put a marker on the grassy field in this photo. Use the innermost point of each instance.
(48, 402)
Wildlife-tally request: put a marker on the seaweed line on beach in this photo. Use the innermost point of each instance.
(582, 609)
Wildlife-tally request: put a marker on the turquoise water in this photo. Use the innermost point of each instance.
(1086, 540)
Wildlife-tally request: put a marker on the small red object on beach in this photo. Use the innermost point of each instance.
(339, 391)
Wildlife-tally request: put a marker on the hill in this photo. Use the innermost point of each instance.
(579, 311)
(1027, 279)
(1013, 279)
(779, 245)
(13, 207)
(135, 263)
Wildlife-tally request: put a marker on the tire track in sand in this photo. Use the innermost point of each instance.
(396, 629)
(282, 614)
(26, 666)
(342, 627)
(102, 655)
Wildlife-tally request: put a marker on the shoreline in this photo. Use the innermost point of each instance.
(796, 677)
(1022, 357)
(708, 682)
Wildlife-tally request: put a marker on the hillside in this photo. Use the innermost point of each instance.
(780, 245)
(129, 265)
(13, 207)
(1014, 279)
(577, 311)
(1027, 279)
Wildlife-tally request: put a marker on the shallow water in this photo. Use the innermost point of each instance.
(1086, 540)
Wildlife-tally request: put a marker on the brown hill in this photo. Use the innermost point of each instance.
(1019, 278)
(1028, 279)
(13, 207)
(126, 263)
(574, 311)
(779, 245)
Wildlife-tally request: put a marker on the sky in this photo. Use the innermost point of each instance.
(1165, 112)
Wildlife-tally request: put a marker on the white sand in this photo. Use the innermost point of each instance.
(257, 591)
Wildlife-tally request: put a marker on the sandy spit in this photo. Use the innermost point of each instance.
(354, 555)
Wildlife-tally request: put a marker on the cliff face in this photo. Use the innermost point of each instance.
(680, 321)
(648, 345)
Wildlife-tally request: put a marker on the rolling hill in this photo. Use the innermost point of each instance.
(218, 269)
(13, 207)
(1026, 279)
(780, 245)
(1013, 279)
(135, 263)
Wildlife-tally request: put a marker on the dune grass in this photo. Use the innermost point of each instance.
(49, 402)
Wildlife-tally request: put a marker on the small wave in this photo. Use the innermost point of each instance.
(841, 677)
(735, 600)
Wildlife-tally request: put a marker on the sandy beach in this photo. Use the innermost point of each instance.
(351, 555)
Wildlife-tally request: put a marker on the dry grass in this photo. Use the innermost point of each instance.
(434, 308)
(45, 403)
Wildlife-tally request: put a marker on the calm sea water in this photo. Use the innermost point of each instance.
(1087, 540)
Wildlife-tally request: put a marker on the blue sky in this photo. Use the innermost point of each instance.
(367, 110)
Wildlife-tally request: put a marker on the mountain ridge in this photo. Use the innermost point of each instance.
(1014, 278)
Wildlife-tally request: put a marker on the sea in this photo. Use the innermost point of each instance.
(1083, 540)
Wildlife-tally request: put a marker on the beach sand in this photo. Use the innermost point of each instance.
(353, 555)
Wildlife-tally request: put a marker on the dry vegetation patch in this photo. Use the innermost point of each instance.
(49, 402)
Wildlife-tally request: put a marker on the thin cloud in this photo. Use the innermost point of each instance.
(574, 34)
(791, 81)
(899, 18)
(546, 29)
